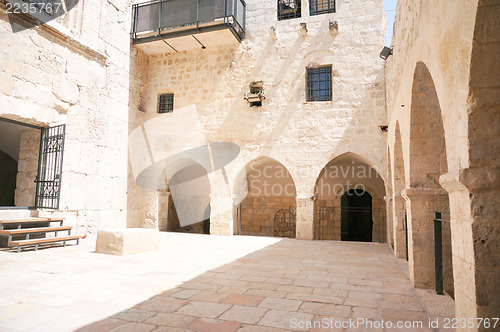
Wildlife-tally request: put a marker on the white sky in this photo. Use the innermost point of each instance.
(390, 12)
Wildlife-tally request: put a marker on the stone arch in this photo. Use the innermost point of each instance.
(475, 207)
(184, 197)
(371, 158)
(263, 190)
(427, 162)
(347, 171)
(236, 170)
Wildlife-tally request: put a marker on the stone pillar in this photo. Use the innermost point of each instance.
(305, 218)
(163, 205)
(389, 218)
(422, 203)
(474, 197)
(398, 221)
(221, 203)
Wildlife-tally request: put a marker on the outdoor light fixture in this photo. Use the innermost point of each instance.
(272, 33)
(334, 27)
(303, 29)
(383, 129)
(386, 52)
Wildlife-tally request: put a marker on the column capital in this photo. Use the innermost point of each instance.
(420, 194)
(467, 179)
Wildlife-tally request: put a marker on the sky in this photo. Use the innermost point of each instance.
(390, 12)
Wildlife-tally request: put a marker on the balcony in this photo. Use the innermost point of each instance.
(161, 26)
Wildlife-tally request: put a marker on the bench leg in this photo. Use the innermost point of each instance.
(77, 241)
(36, 247)
(18, 249)
(64, 243)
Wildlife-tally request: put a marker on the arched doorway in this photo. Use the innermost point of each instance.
(357, 222)
(425, 197)
(265, 198)
(345, 175)
(186, 198)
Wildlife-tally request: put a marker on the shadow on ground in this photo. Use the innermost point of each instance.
(285, 286)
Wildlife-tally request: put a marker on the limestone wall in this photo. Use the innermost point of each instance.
(27, 168)
(303, 136)
(77, 71)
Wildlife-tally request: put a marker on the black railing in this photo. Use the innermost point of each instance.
(160, 19)
(438, 247)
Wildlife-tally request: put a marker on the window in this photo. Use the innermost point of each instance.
(288, 9)
(166, 103)
(319, 83)
(317, 7)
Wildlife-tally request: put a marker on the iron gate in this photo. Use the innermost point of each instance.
(328, 222)
(283, 217)
(50, 159)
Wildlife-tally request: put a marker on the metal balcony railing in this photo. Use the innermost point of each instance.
(161, 19)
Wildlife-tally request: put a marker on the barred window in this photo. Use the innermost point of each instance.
(166, 103)
(319, 84)
(288, 9)
(317, 7)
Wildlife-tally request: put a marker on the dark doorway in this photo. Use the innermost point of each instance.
(357, 222)
(206, 222)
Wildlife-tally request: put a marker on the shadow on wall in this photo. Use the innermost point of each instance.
(8, 173)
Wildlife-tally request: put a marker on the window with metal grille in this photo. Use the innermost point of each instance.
(288, 9)
(319, 83)
(317, 7)
(166, 103)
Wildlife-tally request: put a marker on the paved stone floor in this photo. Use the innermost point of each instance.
(212, 283)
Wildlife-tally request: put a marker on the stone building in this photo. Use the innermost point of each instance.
(442, 106)
(267, 118)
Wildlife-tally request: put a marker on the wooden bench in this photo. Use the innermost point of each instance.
(25, 243)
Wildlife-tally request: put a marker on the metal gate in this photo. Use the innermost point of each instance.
(50, 159)
(328, 222)
(283, 217)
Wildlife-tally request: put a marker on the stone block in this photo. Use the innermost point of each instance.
(127, 241)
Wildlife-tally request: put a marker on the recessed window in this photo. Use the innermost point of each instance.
(288, 9)
(317, 7)
(166, 103)
(319, 84)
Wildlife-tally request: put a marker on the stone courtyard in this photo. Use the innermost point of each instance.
(212, 283)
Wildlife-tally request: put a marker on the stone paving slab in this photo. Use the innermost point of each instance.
(210, 283)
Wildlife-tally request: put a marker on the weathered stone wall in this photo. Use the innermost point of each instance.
(458, 44)
(27, 168)
(303, 136)
(77, 71)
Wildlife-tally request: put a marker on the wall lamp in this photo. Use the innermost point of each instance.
(386, 52)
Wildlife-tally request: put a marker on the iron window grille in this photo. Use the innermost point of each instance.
(319, 84)
(288, 9)
(166, 103)
(50, 161)
(317, 7)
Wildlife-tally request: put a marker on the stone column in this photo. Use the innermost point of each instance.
(389, 218)
(221, 203)
(474, 197)
(398, 221)
(163, 206)
(422, 203)
(305, 218)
